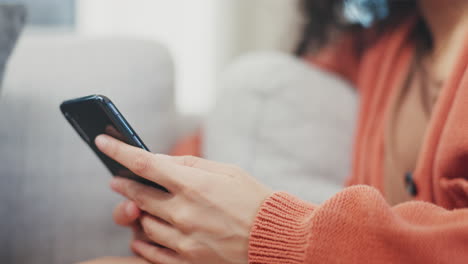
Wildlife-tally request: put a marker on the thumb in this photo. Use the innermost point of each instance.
(126, 213)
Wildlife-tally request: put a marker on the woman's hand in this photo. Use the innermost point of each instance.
(116, 260)
(206, 217)
(127, 214)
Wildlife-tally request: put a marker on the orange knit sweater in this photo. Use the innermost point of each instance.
(357, 225)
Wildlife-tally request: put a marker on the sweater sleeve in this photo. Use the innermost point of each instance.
(357, 226)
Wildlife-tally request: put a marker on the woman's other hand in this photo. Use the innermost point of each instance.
(117, 260)
(207, 216)
(127, 214)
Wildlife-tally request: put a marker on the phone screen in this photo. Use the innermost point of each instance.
(93, 116)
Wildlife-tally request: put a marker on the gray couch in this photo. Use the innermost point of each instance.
(12, 19)
(55, 202)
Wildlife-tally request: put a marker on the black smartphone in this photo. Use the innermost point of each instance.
(94, 115)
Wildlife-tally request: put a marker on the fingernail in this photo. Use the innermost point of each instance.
(130, 209)
(101, 141)
(115, 184)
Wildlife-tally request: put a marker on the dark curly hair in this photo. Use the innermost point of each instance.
(324, 21)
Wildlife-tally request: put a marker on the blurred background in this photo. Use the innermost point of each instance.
(173, 68)
(203, 36)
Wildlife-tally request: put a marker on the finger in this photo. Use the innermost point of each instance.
(146, 198)
(139, 161)
(155, 254)
(203, 164)
(161, 233)
(117, 260)
(126, 213)
(138, 233)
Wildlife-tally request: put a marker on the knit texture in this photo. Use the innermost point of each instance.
(357, 226)
(280, 232)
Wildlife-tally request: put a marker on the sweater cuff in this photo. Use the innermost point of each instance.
(281, 230)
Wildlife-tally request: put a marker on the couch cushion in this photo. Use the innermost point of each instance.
(286, 122)
(12, 18)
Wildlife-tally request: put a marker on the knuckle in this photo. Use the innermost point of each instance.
(159, 160)
(196, 190)
(190, 161)
(192, 190)
(146, 224)
(139, 197)
(182, 220)
(188, 248)
(142, 164)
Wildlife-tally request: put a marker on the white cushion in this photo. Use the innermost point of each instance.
(286, 122)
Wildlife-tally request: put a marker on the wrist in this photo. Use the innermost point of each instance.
(281, 230)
